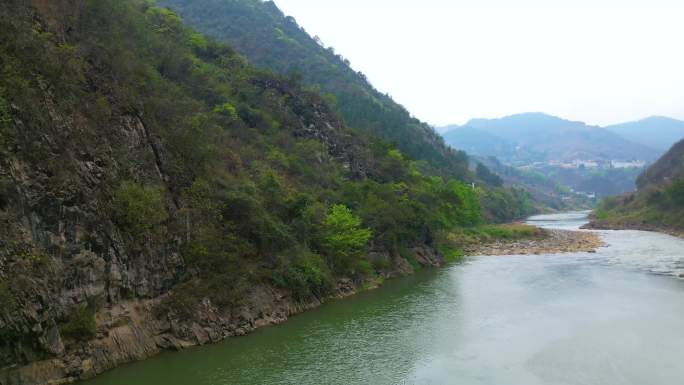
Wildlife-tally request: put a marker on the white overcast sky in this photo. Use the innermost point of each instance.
(600, 61)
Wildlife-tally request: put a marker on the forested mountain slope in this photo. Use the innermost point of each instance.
(658, 204)
(269, 39)
(669, 168)
(157, 191)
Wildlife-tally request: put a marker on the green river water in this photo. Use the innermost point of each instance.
(614, 317)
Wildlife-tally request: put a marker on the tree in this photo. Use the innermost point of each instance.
(344, 240)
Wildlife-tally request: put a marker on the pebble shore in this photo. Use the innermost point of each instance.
(551, 242)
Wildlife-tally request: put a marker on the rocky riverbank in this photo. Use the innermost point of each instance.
(547, 242)
(132, 331)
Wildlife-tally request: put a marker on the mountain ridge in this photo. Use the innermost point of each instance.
(659, 132)
(270, 39)
(552, 138)
(589, 159)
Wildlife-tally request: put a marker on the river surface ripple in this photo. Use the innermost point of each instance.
(613, 317)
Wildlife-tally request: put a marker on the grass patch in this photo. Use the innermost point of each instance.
(509, 231)
(451, 244)
(451, 253)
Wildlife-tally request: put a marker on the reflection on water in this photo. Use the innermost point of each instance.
(551, 319)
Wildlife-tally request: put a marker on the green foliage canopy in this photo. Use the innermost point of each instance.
(344, 239)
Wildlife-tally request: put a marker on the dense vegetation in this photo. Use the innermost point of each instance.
(143, 130)
(652, 209)
(269, 39)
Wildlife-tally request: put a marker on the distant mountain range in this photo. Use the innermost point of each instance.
(591, 159)
(538, 137)
(657, 132)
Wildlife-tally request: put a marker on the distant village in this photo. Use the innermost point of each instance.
(587, 164)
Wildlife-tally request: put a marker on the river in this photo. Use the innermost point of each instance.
(613, 317)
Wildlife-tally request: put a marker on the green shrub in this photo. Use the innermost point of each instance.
(344, 240)
(139, 209)
(505, 204)
(363, 268)
(609, 203)
(451, 253)
(227, 110)
(675, 192)
(601, 214)
(80, 325)
(308, 274)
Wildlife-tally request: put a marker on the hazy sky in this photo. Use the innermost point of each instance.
(601, 61)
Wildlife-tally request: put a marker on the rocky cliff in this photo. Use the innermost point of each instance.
(156, 192)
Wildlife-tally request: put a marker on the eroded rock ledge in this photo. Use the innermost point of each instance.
(130, 330)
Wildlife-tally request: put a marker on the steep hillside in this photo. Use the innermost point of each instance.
(269, 39)
(668, 168)
(657, 132)
(657, 205)
(156, 192)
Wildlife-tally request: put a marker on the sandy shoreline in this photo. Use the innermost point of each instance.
(552, 242)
